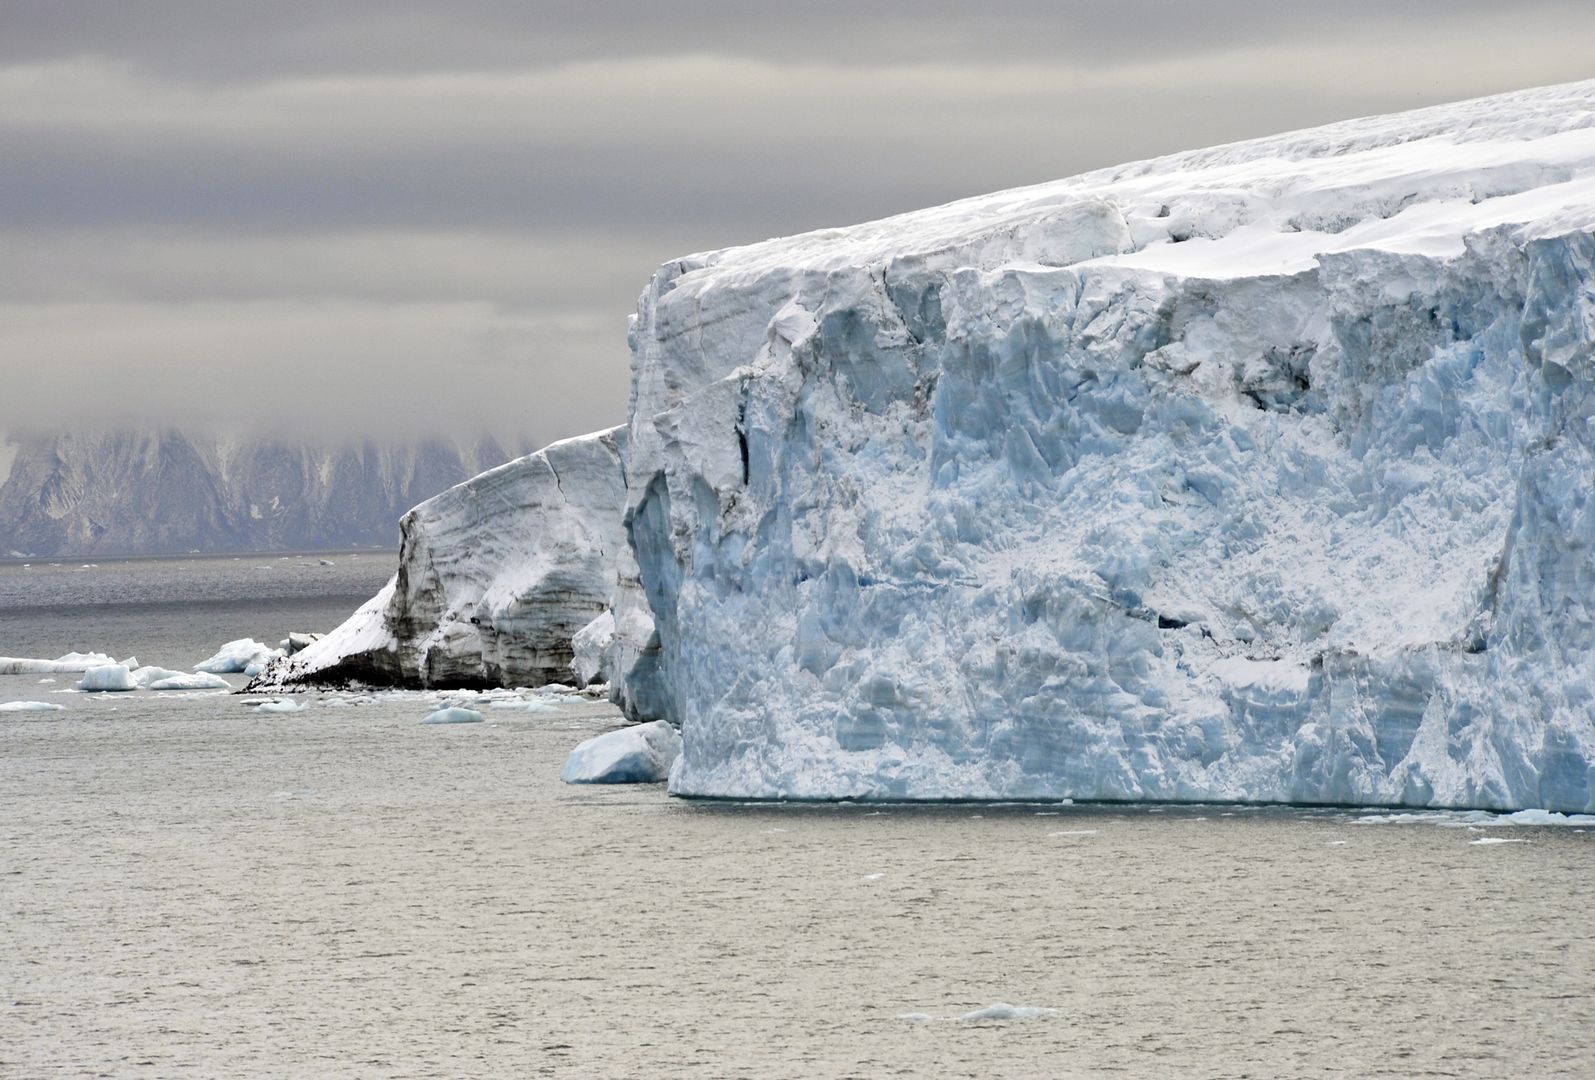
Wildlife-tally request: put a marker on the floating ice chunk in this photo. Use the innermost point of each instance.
(1003, 1011)
(44, 682)
(916, 1017)
(148, 674)
(635, 755)
(199, 681)
(235, 656)
(1498, 840)
(108, 677)
(1545, 817)
(282, 705)
(1074, 832)
(454, 715)
(72, 662)
(554, 688)
(31, 706)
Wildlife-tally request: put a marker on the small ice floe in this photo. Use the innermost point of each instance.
(1497, 840)
(641, 754)
(1074, 832)
(235, 656)
(46, 682)
(1003, 1011)
(1334, 843)
(71, 663)
(281, 705)
(555, 689)
(201, 680)
(109, 677)
(532, 706)
(999, 1011)
(31, 706)
(873, 877)
(326, 562)
(454, 714)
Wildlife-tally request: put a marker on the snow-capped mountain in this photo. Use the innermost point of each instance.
(171, 491)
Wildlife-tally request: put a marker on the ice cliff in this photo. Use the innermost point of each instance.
(496, 576)
(1265, 472)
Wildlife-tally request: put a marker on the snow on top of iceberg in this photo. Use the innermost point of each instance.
(1470, 157)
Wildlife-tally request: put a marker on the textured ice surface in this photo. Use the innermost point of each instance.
(108, 677)
(1259, 472)
(197, 681)
(73, 662)
(641, 754)
(148, 674)
(236, 656)
(454, 714)
(496, 576)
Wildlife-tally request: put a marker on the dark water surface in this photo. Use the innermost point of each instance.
(188, 887)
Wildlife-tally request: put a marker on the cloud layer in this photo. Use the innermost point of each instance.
(436, 218)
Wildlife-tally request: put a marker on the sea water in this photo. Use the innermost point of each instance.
(189, 887)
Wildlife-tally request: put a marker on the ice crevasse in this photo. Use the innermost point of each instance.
(1262, 472)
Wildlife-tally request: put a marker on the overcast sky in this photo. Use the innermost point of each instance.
(435, 217)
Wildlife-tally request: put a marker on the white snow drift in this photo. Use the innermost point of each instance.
(1259, 472)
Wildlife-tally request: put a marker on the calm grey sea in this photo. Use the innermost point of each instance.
(190, 888)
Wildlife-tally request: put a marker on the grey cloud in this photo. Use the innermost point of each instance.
(363, 215)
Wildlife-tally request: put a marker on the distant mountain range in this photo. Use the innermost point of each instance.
(169, 491)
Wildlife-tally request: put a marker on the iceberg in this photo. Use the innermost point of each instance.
(496, 576)
(641, 754)
(148, 674)
(198, 681)
(1252, 473)
(454, 714)
(71, 663)
(236, 656)
(281, 705)
(113, 677)
(30, 706)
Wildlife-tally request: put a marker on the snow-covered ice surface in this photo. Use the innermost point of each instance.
(496, 576)
(640, 754)
(1253, 473)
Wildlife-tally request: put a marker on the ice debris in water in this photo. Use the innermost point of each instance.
(1003, 1011)
(999, 1011)
(454, 714)
(236, 656)
(641, 754)
(31, 706)
(201, 680)
(108, 677)
(73, 662)
(282, 705)
(1498, 840)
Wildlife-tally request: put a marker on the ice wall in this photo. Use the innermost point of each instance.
(496, 576)
(1262, 472)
